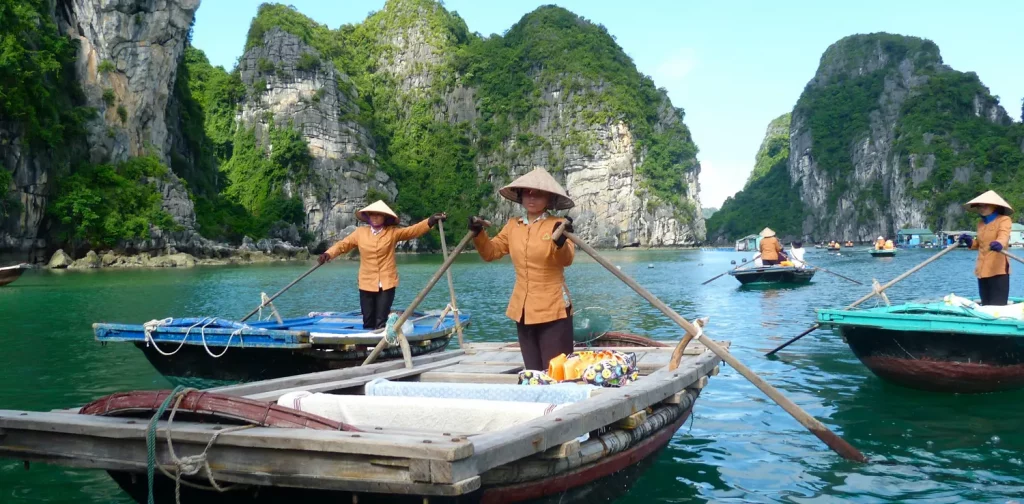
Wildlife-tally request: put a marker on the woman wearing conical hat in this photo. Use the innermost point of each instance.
(992, 267)
(378, 273)
(538, 303)
(771, 248)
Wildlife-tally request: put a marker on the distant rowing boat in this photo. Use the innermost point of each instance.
(770, 275)
(883, 253)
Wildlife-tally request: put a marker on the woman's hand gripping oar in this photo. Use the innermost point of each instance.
(866, 297)
(406, 353)
(278, 293)
(833, 441)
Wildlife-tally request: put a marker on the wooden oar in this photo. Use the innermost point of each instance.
(866, 297)
(832, 273)
(451, 284)
(716, 277)
(1011, 256)
(406, 353)
(836, 443)
(286, 287)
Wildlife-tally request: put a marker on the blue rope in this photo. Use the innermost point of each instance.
(390, 334)
(151, 440)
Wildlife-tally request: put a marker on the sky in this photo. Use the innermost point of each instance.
(732, 65)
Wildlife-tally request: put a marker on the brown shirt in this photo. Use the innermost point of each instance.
(770, 248)
(991, 263)
(539, 265)
(377, 267)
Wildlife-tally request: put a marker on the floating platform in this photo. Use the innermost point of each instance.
(571, 445)
(206, 352)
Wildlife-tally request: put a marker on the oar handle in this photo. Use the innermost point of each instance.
(1011, 256)
(278, 293)
(834, 442)
(416, 302)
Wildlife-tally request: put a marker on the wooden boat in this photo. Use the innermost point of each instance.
(773, 275)
(9, 274)
(599, 442)
(207, 352)
(935, 346)
(883, 252)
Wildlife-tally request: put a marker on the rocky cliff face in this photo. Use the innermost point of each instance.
(294, 86)
(870, 156)
(128, 54)
(125, 67)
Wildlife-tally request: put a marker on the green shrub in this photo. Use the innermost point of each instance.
(102, 204)
(106, 66)
(308, 62)
(265, 66)
(122, 113)
(109, 97)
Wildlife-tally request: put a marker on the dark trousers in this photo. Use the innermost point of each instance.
(539, 343)
(994, 291)
(375, 307)
(769, 262)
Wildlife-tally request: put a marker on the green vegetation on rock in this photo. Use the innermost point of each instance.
(105, 203)
(774, 148)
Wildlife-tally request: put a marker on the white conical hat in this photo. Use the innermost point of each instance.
(541, 180)
(989, 198)
(881, 237)
(767, 232)
(378, 207)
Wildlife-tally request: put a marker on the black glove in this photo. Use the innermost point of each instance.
(995, 246)
(966, 240)
(476, 225)
(323, 258)
(567, 225)
(433, 219)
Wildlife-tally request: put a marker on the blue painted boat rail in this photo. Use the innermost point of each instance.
(936, 317)
(319, 330)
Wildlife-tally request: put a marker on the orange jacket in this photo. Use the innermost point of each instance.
(991, 263)
(539, 264)
(377, 268)
(770, 248)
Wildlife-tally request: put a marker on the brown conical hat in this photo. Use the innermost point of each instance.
(378, 207)
(540, 180)
(989, 198)
(767, 233)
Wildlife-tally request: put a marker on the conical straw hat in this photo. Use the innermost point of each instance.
(541, 180)
(989, 198)
(767, 232)
(378, 207)
(881, 237)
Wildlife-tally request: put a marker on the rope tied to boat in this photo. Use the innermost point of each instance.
(149, 327)
(183, 466)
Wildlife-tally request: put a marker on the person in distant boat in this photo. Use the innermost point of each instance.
(540, 303)
(771, 249)
(888, 245)
(992, 267)
(378, 272)
(796, 254)
(880, 243)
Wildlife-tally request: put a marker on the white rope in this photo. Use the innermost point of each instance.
(202, 334)
(152, 325)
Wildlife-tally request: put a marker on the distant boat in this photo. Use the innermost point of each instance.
(9, 274)
(883, 252)
(773, 275)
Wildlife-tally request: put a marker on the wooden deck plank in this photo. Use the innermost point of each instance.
(443, 377)
(360, 443)
(231, 463)
(484, 368)
(360, 381)
(332, 375)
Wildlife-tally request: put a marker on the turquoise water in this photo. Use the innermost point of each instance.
(739, 446)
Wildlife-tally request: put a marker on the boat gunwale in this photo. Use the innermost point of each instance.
(923, 321)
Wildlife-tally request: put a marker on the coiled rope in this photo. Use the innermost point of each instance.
(185, 466)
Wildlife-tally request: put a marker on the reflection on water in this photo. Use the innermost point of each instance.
(739, 447)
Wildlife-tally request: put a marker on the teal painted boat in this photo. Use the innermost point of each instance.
(883, 253)
(937, 346)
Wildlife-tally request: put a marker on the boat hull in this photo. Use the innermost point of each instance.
(941, 362)
(192, 366)
(604, 480)
(10, 274)
(774, 276)
(883, 253)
